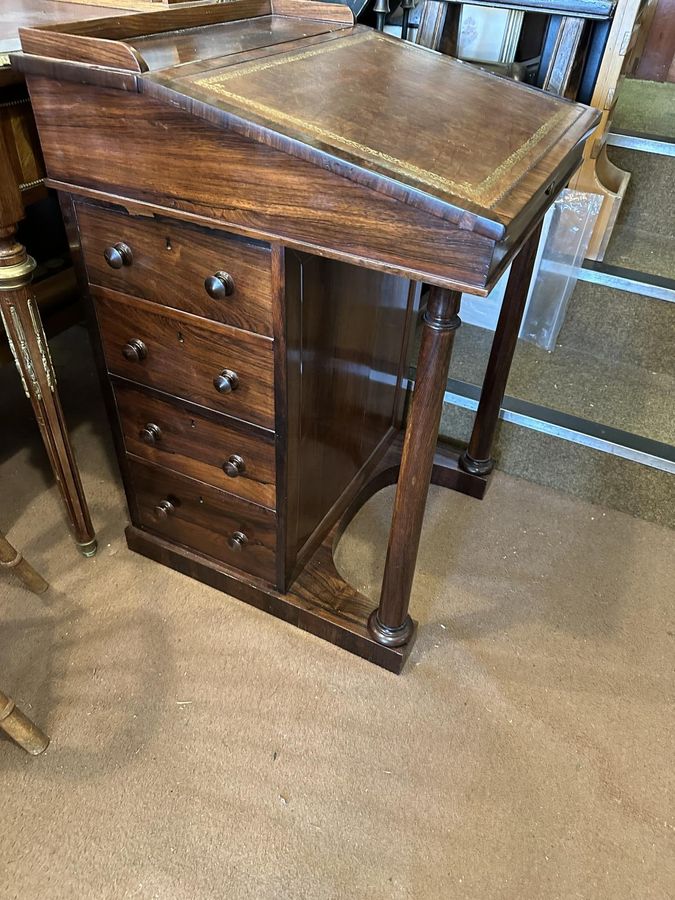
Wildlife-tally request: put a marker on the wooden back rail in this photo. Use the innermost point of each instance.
(83, 41)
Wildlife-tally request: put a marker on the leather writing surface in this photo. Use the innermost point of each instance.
(436, 123)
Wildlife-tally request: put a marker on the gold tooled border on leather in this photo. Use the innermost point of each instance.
(482, 193)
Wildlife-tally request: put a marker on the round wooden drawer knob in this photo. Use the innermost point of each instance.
(118, 255)
(134, 350)
(220, 285)
(151, 433)
(238, 540)
(164, 509)
(234, 466)
(227, 381)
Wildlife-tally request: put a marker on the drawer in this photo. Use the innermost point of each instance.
(186, 356)
(215, 451)
(170, 263)
(205, 519)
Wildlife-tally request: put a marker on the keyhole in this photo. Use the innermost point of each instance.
(168, 244)
(181, 339)
(193, 424)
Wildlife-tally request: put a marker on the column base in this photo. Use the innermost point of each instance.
(89, 548)
(390, 637)
(476, 466)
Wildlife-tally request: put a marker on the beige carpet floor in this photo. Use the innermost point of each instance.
(201, 749)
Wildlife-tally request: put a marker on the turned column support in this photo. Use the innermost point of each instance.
(477, 458)
(390, 623)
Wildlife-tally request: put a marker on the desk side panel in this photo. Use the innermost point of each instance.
(129, 145)
(347, 334)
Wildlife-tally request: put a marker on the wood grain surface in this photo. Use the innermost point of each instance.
(197, 444)
(171, 262)
(244, 185)
(185, 354)
(205, 519)
(160, 51)
(346, 330)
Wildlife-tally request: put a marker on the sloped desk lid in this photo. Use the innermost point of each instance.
(435, 124)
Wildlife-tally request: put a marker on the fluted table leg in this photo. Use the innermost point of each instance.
(21, 320)
(477, 458)
(390, 623)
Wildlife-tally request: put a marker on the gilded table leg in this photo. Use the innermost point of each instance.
(20, 728)
(390, 623)
(477, 458)
(21, 320)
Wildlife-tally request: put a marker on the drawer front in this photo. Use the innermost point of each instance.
(170, 263)
(182, 355)
(204, 519)
(217, 452)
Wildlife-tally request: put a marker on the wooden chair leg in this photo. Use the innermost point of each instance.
(10, 558)
(20, 728)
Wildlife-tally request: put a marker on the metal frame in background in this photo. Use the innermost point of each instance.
(568, 427)
(638, 140)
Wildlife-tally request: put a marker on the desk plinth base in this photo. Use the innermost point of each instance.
(319, 601)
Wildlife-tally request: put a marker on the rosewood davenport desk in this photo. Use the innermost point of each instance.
(255, 191)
